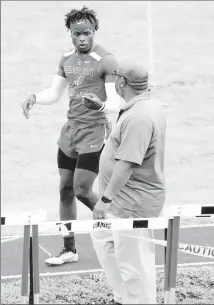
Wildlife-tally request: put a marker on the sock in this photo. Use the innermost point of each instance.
(69, 243)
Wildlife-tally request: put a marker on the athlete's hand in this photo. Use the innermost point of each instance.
(100, 210)
(28, 104)
(91, 101)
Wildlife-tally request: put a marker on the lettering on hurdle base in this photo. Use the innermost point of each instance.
(102, 225)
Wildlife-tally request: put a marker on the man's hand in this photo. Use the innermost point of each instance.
(28, 104)
(91, 101)
(100, 210)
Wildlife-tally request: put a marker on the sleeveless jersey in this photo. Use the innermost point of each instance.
(82, 79)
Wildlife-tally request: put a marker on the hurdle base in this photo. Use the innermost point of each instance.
(25, 300)
(36, 298)
(169, 296)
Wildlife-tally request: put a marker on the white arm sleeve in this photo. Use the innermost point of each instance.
(52, 94)
(114, 101)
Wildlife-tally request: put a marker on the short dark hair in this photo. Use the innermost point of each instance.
(85, 13)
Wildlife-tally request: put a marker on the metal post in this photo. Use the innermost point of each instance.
(25, 264)
(31, 287)
(171, 260)
(35, 249)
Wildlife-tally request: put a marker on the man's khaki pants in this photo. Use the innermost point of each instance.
(129, 264)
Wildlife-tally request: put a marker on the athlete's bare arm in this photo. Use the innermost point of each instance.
(48, 96)
(105, 68)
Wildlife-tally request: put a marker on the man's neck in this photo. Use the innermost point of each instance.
(130, 95)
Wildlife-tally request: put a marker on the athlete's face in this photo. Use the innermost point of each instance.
(83, 40)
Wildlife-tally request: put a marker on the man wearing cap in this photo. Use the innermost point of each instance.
(85, 70)
(131, 181)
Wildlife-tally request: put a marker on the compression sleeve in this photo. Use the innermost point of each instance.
(52, 95)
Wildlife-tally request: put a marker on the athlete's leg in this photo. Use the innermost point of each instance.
(85, 174)
(89, 143)
(76, 178)
(67, 207)
(83, 183)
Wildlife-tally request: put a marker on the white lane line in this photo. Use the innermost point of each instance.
(189, 264)
(6, 238)
(9, 239)
(11, 277)
(197, 226)
(46, 251)
(54, 273)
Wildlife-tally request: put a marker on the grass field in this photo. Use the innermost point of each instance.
(34, 38)
(194, 286)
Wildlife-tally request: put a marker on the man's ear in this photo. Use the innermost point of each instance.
(123, 82)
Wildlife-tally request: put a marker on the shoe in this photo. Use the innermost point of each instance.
(63, 257)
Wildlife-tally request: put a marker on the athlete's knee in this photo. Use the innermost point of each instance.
(82, 192)
(66, 192)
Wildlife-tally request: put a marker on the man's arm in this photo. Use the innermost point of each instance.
(120, 176)
(135, 138)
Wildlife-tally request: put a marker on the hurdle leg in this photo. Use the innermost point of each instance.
(165, 238)
(35, 248)
(171, 260)
(25, 264)
(31, 284)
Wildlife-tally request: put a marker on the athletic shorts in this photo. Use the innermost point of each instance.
(81, 147)
(88, 162)
(74, 142)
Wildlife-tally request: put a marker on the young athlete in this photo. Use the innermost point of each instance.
(84, 71)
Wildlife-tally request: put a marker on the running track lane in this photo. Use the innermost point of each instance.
(11, 252)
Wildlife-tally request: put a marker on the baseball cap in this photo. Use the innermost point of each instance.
(135, 74)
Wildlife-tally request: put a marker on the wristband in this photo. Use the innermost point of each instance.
(105, 199)
(102, 107)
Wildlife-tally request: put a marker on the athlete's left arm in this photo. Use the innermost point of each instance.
(107, 65)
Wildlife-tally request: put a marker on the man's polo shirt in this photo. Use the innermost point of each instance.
(139, 138)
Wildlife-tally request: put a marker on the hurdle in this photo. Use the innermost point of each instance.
(170, 221)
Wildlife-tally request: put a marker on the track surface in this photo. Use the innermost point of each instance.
(11, 253)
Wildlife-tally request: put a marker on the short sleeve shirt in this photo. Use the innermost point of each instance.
(139, 138)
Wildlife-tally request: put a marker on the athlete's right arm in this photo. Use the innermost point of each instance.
(48, 96)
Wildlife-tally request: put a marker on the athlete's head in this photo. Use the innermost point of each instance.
(130, 77)
(82, 24)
